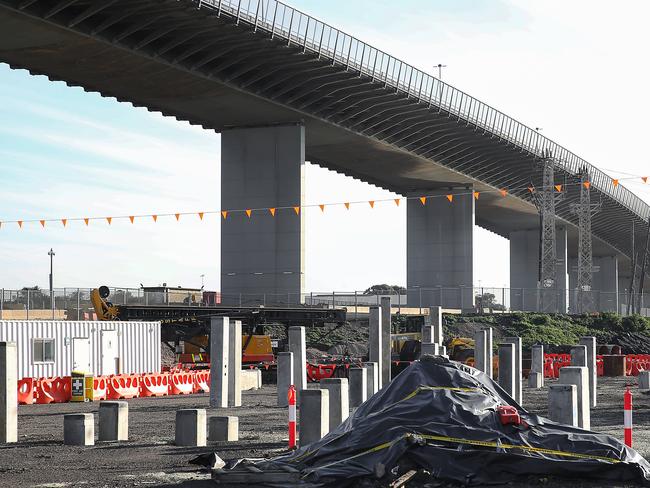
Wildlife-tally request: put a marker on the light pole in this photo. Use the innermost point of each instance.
(51, 255)
(202, 276)
(440, 66)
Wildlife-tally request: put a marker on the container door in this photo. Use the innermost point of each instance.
(110, 355)
(81, 354)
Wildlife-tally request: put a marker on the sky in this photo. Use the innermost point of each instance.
(577, 70)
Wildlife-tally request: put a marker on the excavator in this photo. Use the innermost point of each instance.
(190, 324)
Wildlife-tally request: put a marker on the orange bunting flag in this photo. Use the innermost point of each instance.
(645, 179)
(131, 218)
(587, 184)
(272, 210)
(531, 189)
(347, 205)
(450, 197)
(297, 210)
(615, 182)
(397, 201)
(109, 219)
(155, 218)
(503, 192)
(322, 207)
(371, 203)
(64, 222)
(558, 188)
(249, 212)
(476, 195)
(423, 200)
(86, 221)
(224, 214)
(178, 216)
(201, 215)
(42, 223)
(20, 224)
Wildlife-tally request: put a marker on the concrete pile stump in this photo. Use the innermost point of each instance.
(590, 343)
(614, 365)
(219, 349)
(339, 400)
(489, 351)
(535, 379)
(79, 429)
(372, 379)
(429, 348)
(8, 393)
(113, 421)
(234, 364)
(435, 320)
(507, 368)
(579, 376)
(480, 340)
(386, 357)
(298, 346)
(427, 333)
(285, 377)
(579, 356)
(191, 427)
(314, 416)
(644, 380)
(223, 429)
(516, 341)
(537, 361)
(563, 404)
(375, 340)
(358, 384)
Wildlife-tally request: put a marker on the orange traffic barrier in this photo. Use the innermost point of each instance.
(201, 382)
(123, 386)
(154, 385)
(26, 390)
(53, 390)
(100, 387)
(181, 383)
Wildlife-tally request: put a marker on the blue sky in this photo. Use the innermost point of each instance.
(68, 153)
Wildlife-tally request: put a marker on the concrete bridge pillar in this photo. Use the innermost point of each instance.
(524, 272)
(262, 256)
(439, 250)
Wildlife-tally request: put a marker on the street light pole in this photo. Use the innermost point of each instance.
(440, 66)
(51, 254)
(202, 276)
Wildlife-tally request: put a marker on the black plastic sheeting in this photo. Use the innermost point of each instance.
(441, 416)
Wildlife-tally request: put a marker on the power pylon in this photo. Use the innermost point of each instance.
(585, 210)
(546, 201)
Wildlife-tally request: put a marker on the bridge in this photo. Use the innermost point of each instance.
(281, 87)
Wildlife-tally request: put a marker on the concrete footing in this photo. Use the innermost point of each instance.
(191, 427)
(298, 346)
(579, 356)
(339, 400)
(385, 341)
(427, 333)
(489, 352)
(219, 348)
(579, 376)
(285, 376)
(563, 404)
(375, 340)
(223, 429)
(518, 396)
(537, 361)
(8, 393)
(430, 348)
(234, 365)
(372, 379)
(113, 421)
(314, 416)
(250, 379)
(644, 380)
(590, 343)
(507, 368)
(358, 378)
(535, 379)
(480, 339)
(79, 429)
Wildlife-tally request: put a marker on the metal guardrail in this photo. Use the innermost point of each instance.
(284, 22)
(36, 304)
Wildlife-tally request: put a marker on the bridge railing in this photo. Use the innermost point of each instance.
(297, 28)
(75, 304)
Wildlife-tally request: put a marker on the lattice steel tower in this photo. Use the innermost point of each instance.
(545, 201)
(585, 210)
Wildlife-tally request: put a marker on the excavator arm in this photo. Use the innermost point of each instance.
(104, 310)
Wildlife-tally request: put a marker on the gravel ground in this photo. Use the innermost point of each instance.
(149, 458)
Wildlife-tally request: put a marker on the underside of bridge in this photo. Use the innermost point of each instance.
(230, 68)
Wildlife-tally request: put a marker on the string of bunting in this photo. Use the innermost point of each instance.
(296, 208)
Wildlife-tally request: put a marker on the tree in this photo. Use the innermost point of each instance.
(487, 300)
(385, 290)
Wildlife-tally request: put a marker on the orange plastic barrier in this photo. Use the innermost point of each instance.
(181, 383)
(154, 385)
(123, 386)
(100, 388)
(201, 381)
(53, 390)
(26, 390)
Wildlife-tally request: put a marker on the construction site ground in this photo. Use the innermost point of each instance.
(150, 458)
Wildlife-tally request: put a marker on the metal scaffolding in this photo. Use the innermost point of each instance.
(585, 210)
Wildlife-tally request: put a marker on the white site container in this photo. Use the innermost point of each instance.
(49, 348)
